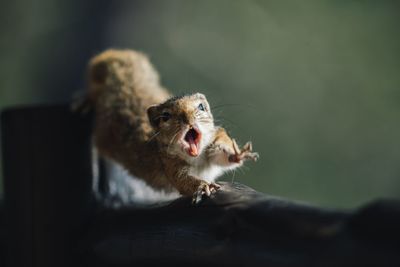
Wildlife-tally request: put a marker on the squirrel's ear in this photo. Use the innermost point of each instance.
(201, 96)
(153, 115)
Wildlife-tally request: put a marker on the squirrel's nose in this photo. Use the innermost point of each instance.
(187, 119)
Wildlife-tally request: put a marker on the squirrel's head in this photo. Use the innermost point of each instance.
(184, 125)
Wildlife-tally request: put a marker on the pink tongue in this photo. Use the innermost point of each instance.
(192, 147)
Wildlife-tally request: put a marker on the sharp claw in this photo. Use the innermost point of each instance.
(194, 200)
(217, 186)
(255, 156)
(197, 197)
(248, 146)
(207, 190)
(235, 147)
(214, 187)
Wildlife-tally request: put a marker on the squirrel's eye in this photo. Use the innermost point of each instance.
(165, 116)
(201, 107)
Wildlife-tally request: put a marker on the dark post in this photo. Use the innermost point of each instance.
(47, 180)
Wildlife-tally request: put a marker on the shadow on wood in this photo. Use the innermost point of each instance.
(239, 227)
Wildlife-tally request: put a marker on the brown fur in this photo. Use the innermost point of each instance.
(129, 104)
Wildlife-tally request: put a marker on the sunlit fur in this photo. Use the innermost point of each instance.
(131, 128)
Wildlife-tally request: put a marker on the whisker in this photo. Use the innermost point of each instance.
(224, 105)
(223, 119)
(245, 167)
(153, 136)
(233, 176)
(234, 105)
(172, 140)
(241, 170)
(206, 121)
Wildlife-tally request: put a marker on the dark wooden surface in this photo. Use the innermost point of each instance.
(52, 218)
(242, 227)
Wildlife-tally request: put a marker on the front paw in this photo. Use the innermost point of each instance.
(246, 153)
(204, 189)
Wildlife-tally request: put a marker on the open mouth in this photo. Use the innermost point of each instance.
(193, 137)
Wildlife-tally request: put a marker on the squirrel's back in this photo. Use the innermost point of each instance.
(122, 85)
(124, 74)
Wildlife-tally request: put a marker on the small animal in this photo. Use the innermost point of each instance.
(171, 142)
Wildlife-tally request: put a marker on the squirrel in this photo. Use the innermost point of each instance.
(170, 142)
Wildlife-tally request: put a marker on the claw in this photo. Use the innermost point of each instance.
(207, 191)
(244, 153)
(215, 186)
(248, 147)
(253, 156)
(235, 147)
(204, 189)
(197, 197)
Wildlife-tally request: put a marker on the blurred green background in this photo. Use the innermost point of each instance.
(314, 84)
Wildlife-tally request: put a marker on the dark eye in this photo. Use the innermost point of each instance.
(165, 116)
(201, 107)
